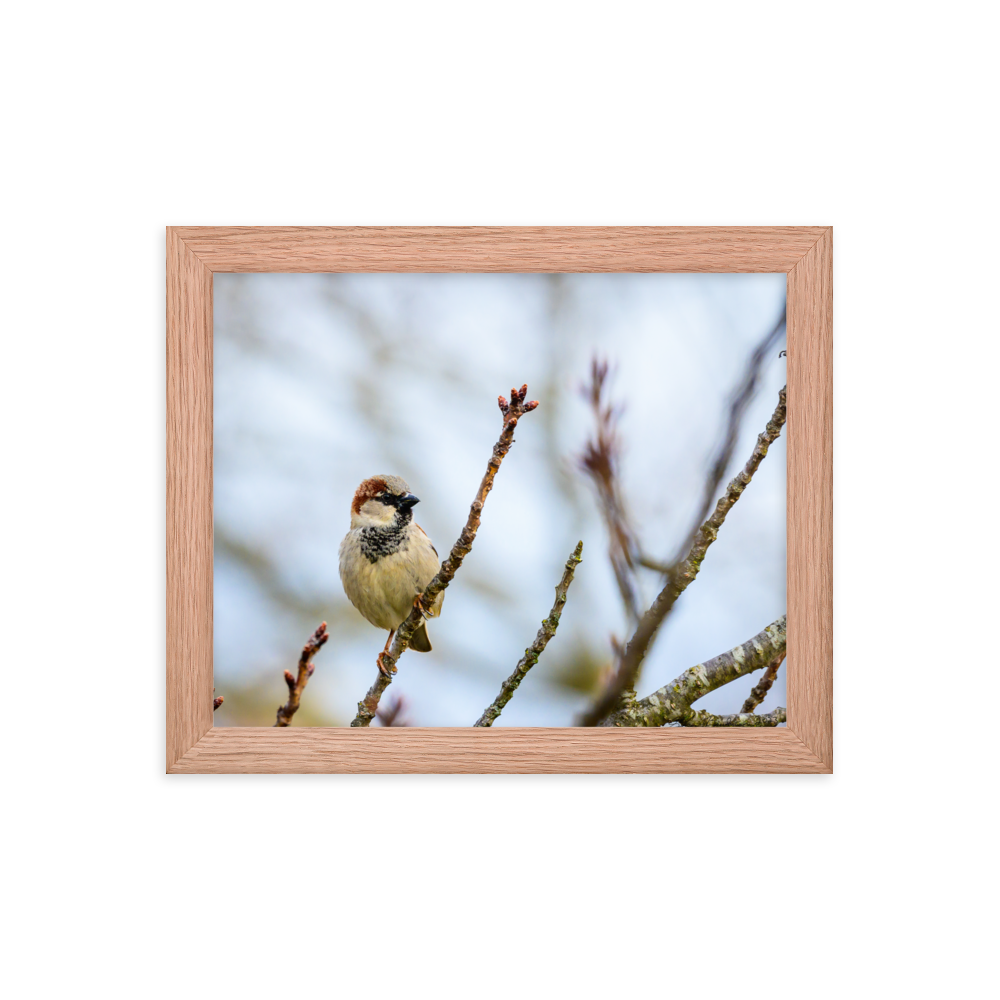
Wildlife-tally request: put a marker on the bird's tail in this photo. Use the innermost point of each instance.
(420, 642)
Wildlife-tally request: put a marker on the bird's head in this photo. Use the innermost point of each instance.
(382, 502)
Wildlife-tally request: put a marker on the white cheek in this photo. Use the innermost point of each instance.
(377, 513)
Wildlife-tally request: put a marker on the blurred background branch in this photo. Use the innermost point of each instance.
(391, 714)
(600, 461)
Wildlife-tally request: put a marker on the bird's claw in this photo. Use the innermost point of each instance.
(385, 666)
(418, 603)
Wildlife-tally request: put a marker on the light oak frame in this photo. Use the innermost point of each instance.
(195, 253)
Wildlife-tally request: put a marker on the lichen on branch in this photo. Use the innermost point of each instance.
(699, 718)
(511, 412)
(535, 650)
(672, 702)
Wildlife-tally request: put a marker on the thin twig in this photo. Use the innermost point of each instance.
(512, 412)
(534, 651)
(296, 685)
(759, 692)
(672, 702)
(648, 562)
(681, 575)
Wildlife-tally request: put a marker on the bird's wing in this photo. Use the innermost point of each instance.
(428, 537)
(428, 566)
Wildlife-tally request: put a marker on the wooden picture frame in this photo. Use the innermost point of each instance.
(194, 254)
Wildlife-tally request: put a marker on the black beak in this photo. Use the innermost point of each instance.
(408, 500)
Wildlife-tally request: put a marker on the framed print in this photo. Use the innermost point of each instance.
(392, 452)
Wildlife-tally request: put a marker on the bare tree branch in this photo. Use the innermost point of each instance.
(512, 412)
(600, 460)
(534, 651)
(672, 702)
(682, 574)
(296, 685)
(774, 718)
(759, 692)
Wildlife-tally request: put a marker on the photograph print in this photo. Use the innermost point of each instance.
(499, 499)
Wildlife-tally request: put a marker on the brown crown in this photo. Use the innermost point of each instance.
(368, 489)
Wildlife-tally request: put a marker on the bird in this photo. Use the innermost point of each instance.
(387, 560)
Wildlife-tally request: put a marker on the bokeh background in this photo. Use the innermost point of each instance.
(324, 379)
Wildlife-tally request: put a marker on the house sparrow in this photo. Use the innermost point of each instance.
(386, 559)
